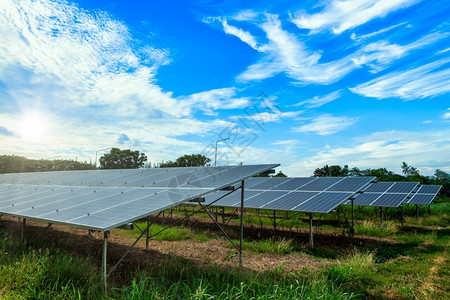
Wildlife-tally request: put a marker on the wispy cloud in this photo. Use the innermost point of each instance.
(326, 125)
(244, 36)
(425, 81)
(379, 55)
(285, 53)
(364, 37)
(341, 15)
(318, 101)
(213, 100)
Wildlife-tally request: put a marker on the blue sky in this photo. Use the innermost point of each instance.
(300, 83)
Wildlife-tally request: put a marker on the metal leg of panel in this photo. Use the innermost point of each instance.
(241, 237)
(223, 216)
(274, 221)
(311, 242)
(401, 215)
(381, 215)
(147, 233)
(22, 230)
(352, 230)
(429, 209)
(417, 212)
(104, 256)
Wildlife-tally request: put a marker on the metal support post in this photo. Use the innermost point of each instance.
(147, 233)
(274, 220)
(223, 216)
(241, 238)
(417, 212)
(22, 230)
(429, 209)
(381, 215)
(105, 248)
(352, 230)
(401, 215)
(311, 242)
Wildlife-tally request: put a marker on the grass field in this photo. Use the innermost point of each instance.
(410, 262)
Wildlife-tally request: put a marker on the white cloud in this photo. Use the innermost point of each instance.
(341, 15)
(244, 36)
(446, 116)
(318, 101)
(285, 53)
(425, 81)
(213, 100)
(363, 37)
(326, 125)
(379, 55)
(88, 59)
(273, 116)
(425, 150)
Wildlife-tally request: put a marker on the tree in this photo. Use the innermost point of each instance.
(408, 170)
(192, 160)
(332, 171)
(280, 174)
(122, 159)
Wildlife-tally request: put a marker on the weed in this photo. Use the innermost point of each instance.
(378, 230)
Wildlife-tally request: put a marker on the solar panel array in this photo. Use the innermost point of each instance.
(424, 194)
(385, 194)
(309, 194)
(102, 200)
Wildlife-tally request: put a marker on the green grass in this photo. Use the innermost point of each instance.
(186, 281)
(378, 230)
(27, 272)
(277, 245)
(176, 233)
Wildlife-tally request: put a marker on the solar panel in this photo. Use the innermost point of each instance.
(424, 194)
(306, 194)
(294, 184)
(81, 198)
(272, 183)
(385, 194)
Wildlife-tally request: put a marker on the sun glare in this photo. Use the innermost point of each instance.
(33, 127)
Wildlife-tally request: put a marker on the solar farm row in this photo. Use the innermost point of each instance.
(102, 200)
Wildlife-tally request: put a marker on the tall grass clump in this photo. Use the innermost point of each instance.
(374, 229)
(278, 245)
(30, 272)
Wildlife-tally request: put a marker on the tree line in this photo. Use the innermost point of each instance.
(410, 173)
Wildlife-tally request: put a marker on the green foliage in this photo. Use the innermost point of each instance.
(331, 171)
(27, 272)
(122, 159)
(280, 174)
(18, 164)
(192, 160)
(374, 229)
(279, 245)
(178, 233)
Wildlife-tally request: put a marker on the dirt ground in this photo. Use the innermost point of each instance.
(213, 252)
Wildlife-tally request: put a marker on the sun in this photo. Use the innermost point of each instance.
(33, 127)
